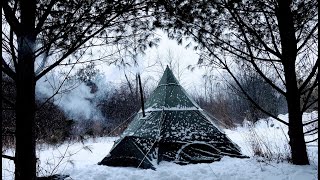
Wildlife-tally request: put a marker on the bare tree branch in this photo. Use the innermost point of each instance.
(272, 36)
(8, 157)
(310, 76)
(240, 22)
(252, 101)
(306, 100)
(253, 32)
(43, 18)
(312, 141)
(13, 54)
(11, 18)
(239, 85)
(308, 37)
(6, 69)
(74, 47)
(311, 132)
(60, 86)
(310, 122)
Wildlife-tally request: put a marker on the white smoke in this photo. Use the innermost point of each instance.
(74, 98)
(76, 103)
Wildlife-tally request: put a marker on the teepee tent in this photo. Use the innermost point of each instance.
(174, 129)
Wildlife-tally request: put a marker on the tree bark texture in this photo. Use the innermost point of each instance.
(289, 53)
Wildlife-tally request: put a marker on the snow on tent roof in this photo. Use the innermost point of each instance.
(169, 94)
(175, 129)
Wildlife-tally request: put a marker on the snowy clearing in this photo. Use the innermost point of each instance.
(80, 160)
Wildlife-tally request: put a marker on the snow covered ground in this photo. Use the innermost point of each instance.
(80, 161)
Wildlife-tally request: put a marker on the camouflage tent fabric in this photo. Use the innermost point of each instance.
(174, 129)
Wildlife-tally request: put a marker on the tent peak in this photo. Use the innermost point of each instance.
(168, 78)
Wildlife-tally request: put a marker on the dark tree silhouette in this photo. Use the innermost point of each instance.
(41, 35)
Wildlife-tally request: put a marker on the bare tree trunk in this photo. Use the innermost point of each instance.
(297, 141)
(289, 54)
(2, 112)
(25, 162)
